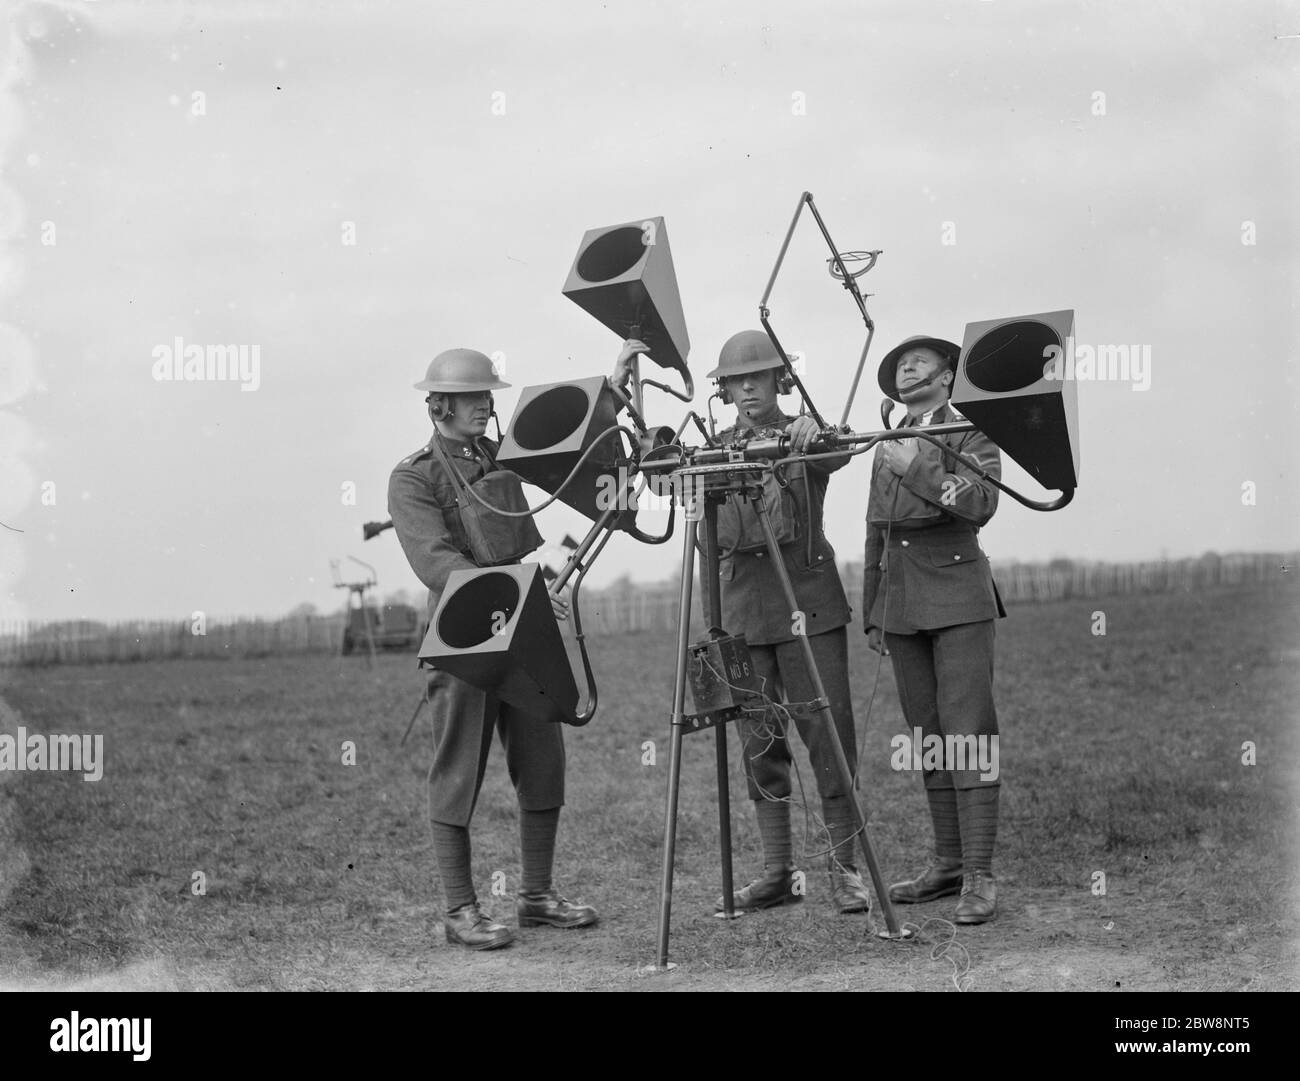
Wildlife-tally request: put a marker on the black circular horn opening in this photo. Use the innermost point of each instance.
(551, 417)
(470, 617)
(612, 255)
(1011, 357)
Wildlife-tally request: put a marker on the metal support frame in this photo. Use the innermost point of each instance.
(721, 481)
(357, 592)
(841, 273)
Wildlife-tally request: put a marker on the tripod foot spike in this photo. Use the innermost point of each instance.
(655, 970)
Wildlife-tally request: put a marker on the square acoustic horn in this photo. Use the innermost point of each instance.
(552, 427)
(623, 275)
(1013, 385)
(495, 629)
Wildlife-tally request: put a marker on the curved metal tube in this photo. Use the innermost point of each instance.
(592, 692)
(646, 538)
(564, 484)
(687, 379)
(1067, 494)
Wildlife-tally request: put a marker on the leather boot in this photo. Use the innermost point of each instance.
(979, 898)
(942, 878)
(774, 887)
(467, 926)
(552, 910)
(848, 891)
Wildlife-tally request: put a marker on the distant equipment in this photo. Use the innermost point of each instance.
(390, 627)
(394, 627)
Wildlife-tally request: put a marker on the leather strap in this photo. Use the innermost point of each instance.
(459, 482)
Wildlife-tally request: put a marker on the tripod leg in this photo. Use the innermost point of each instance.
(370, 632)
(670, 848)
(841, 763)
(418, 706)
(711, 573)
(675, 763)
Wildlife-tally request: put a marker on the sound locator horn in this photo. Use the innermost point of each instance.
(495, 629)
(552, 426)
(1012, 383)
(623, 275)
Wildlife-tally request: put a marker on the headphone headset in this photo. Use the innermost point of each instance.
(784, 384)
(441, 406)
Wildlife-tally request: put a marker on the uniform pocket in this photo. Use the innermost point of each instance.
(956, 556)
(823, 556)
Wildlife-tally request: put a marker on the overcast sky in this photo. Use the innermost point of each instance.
(190, 170)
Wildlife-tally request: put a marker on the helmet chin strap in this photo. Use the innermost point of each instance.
(907, 395)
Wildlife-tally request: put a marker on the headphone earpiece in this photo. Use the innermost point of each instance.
(442, 405)
(784, 385)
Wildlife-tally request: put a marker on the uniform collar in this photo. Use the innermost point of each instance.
(456, 448)
(777, 422)
(938, 416)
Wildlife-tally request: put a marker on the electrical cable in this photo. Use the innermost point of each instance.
(567, 480)
(961, 978)
(764, 728)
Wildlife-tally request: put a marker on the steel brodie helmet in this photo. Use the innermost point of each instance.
(460, 371)
(887, 376)
(748, 351)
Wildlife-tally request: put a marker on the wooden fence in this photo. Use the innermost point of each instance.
(1065, 579)
(654, 607)
(619, 609)
(138, 640)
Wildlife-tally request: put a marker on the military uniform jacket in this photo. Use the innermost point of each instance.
(753, 603)
(934, 573)
(422, 504)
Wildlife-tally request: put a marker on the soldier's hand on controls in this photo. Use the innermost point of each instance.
(623, 366)
(897, 454)
(874, 642)
(802, 431)
(560, 607)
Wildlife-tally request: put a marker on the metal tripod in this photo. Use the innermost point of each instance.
(701, 488)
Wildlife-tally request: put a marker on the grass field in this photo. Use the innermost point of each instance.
(1120, 753)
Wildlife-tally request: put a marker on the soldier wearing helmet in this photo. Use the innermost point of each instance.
(750, 375)
(928, 589)
(422, 500)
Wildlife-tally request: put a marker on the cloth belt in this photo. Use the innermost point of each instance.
(934, 536)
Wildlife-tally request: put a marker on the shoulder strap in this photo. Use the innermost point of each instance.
(456, 479)
(486, 452)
